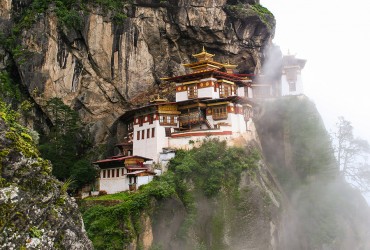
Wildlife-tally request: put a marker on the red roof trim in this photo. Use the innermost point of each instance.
(189, 75)
(112, 159)
(136, 168)
(185, 134)
(244, 75)
(142, 171)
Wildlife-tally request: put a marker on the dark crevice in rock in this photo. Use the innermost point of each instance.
(62, 54)
(116, 50)
(79, 104)
(128, 38)
(76, 74)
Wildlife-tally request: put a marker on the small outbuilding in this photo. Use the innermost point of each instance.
(121, 173)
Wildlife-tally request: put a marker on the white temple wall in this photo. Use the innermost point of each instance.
(113, 184)
(232, 119)
(240, 91)
(285, 86)
(161, 142)
(208, 92)
(210, 120)
(181, 96)
(149, 147)
(250, 92)
(142, 180)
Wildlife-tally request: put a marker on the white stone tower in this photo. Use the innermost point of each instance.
(291, 80)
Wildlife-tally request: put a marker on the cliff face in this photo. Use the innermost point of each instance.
(103, 66)
(36, 212)
(212, 197)
(322, 210)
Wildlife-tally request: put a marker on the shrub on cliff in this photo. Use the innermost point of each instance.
(35, 211)
(67, 145)
(207, 169)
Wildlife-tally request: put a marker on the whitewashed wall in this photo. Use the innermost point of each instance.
(285, 86)
(240, 91)
(181, 96)
(149, 147)
(115, 184)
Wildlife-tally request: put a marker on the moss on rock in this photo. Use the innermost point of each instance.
(32, 215)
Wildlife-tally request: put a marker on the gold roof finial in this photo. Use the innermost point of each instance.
(157, 99)
(204, 55)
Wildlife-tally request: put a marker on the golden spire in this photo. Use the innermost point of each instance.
(204, 55)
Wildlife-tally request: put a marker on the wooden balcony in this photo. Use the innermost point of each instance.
(219, 116)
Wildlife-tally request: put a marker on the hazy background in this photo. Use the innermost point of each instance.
(334, 37)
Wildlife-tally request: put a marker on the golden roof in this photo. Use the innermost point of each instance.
(158, 100)
(229, 66)
(204, 55)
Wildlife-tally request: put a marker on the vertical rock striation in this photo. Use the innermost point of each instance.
(101, 67)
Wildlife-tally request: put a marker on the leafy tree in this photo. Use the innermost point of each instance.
(67, 144)
(221, 164)
(83, 173)
(351, 155)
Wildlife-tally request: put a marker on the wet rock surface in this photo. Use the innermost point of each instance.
(35, 210)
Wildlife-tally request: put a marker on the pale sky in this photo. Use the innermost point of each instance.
(334, 37)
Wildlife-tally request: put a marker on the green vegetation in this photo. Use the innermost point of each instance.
(310, 153)
(246, 10)
(117, 196)
(21, 140)
(299, 149)
(67, 145)
(212, 166)
(211, 169)
(8, 88)
(69, 14)
(116, 226)
(35, 232)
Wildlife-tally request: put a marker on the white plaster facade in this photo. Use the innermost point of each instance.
(113, 184)
(181, 96)
(120, 182)
(151, 146)
(293, 88)
(241, 91)
(250, 92)
(291, 79)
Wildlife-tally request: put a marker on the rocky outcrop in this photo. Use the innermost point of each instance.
(102, 67)
(35, 210)
(322, 210)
